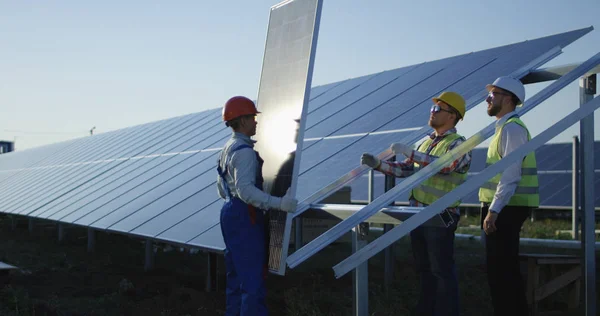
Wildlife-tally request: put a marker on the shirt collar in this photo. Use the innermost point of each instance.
(505, 118)
(245, 138)
(446, 133)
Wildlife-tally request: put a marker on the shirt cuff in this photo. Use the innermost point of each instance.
(274, 202)
(494, 207)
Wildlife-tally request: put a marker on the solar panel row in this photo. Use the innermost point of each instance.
(157, 179)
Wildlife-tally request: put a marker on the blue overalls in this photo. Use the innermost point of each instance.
(243, 228)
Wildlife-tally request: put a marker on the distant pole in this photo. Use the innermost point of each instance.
(587, 89)
(92, 130)
(91, 240)
(575, 212)
(149, 262)
(61, 233)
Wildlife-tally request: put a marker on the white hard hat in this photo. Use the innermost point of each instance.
(510, 84)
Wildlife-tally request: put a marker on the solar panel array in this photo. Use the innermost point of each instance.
(157, 180)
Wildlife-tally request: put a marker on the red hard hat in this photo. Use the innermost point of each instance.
(238, 106)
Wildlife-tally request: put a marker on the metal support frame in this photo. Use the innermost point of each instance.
(360, 276)
(31, 225)
(298, 232)
(61, 232)
(337, 231)
(211, 272)
(91, 240)
(149, 257)
(388, 266)
(392, 215)
(553, 73)
(587, 89)
(469, 186)
(576, 214)
(13, 222)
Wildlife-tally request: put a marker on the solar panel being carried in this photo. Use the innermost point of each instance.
(157, 180)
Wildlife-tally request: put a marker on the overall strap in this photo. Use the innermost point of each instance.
(222, 172)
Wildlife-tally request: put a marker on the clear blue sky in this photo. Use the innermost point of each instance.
(66, 66)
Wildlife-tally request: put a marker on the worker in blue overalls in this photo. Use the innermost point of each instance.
(242, 217)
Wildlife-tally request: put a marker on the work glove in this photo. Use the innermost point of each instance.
(288, 203)
(370, 160)
(399, 148)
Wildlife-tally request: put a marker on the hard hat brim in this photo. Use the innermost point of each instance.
(450, 105)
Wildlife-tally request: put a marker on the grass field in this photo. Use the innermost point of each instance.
(63, 279)
(541, 228)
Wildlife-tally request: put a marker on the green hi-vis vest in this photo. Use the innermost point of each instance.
(527, 192)
(438, 185)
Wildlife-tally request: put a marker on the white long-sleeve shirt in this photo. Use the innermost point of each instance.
(513, 135)
(242, 166)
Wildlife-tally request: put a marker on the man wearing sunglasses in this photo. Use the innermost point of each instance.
(433, 247)
(507, 199)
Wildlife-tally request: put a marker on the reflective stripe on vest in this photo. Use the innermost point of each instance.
(527, 191)
(438, 185)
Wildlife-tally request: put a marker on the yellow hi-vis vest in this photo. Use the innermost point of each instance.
(438, 185)
(527, 192)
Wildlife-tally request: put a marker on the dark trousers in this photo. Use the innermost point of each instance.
(433, 249)
(502, 255)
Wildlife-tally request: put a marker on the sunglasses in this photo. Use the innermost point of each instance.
(492, 94)
(436, 109)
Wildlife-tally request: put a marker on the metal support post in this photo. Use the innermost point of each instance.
(298, 232)
(31, 225)
(13, 222)
(576, 214)
(211, 272)
(149, 261)
(61, 232)
(360, 276)
(390, 182)
(91, 245)
(587, 89)
(388, 268)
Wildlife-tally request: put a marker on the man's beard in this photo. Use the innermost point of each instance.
(495, 109)
(434, 124)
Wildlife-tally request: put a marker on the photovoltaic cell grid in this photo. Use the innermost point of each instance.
(157, 180)
(283, 97)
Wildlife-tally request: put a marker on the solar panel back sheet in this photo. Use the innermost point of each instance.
(282, 100)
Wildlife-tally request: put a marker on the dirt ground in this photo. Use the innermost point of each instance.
(63, 279)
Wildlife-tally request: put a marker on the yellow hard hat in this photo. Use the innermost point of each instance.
(454, 100)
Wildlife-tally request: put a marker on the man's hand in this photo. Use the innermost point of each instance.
(370, 160)
(288, 203)
(399, 148)
(489, 223)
